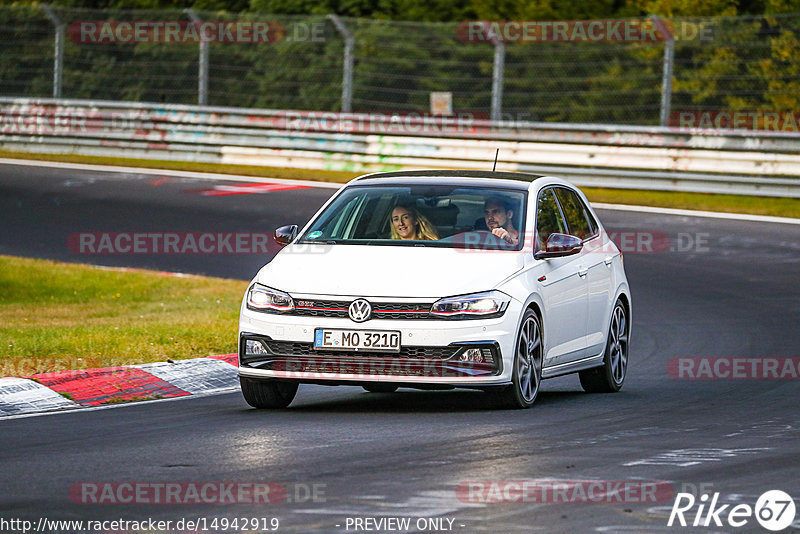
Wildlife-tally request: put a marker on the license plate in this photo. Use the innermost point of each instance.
(355, 340)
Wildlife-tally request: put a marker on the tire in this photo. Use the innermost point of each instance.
(379, 388)
(265, 394)
(609, 377)
(526, 379)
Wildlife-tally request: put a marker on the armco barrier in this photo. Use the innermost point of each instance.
(739, 162)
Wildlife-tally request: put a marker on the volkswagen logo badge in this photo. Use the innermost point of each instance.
(360, 310)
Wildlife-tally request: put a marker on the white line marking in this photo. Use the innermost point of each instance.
(691, 457)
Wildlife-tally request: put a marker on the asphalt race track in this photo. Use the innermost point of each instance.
(710, 288)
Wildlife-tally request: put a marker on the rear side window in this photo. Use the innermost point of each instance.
(579, 220)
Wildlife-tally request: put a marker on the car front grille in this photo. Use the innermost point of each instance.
(433, 361)
(373, 366)
(289, 348)
(380, 310)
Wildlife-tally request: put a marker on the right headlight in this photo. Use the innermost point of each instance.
(265, 299)
(475, 306)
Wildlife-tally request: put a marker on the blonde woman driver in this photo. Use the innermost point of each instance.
(408, 223)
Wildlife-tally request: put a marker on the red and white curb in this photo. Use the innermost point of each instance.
(109, 385)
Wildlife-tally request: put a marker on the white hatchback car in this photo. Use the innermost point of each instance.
(436, 280)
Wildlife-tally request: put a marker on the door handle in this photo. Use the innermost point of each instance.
(608, 260)
(582, 271)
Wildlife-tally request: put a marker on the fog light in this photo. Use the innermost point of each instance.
(472, 355)
(254, 347)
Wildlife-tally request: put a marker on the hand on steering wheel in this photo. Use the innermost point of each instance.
(505, 235)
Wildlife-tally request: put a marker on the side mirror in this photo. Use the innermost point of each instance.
(285, 234)
(560, 245)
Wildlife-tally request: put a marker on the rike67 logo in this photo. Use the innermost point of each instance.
(774, 510)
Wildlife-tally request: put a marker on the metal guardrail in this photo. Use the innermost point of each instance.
(637, 157)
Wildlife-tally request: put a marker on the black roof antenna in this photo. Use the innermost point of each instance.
(495, 159)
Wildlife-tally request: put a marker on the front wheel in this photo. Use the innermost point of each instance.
(609, 377)
(267, 393)
(527, 376)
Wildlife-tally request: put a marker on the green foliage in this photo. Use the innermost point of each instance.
(452, 10)
(687, 8)
(751, 64)
(739, 63)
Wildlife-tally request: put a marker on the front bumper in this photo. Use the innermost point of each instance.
(431, 353)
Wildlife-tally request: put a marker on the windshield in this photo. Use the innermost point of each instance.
(423, 215)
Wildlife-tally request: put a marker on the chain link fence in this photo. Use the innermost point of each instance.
(325, 63)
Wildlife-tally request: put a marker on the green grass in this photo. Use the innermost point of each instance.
(57, 316)
(779, 207)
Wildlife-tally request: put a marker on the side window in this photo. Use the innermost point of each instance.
(548, 218)
(575, 213)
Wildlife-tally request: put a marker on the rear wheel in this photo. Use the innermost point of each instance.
(267, 393)
(380, 388)
(527, 375)
(609, 377)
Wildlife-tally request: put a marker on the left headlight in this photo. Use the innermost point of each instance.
(475, 306)
(265, 299)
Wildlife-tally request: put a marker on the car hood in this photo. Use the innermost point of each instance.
(387, 271)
